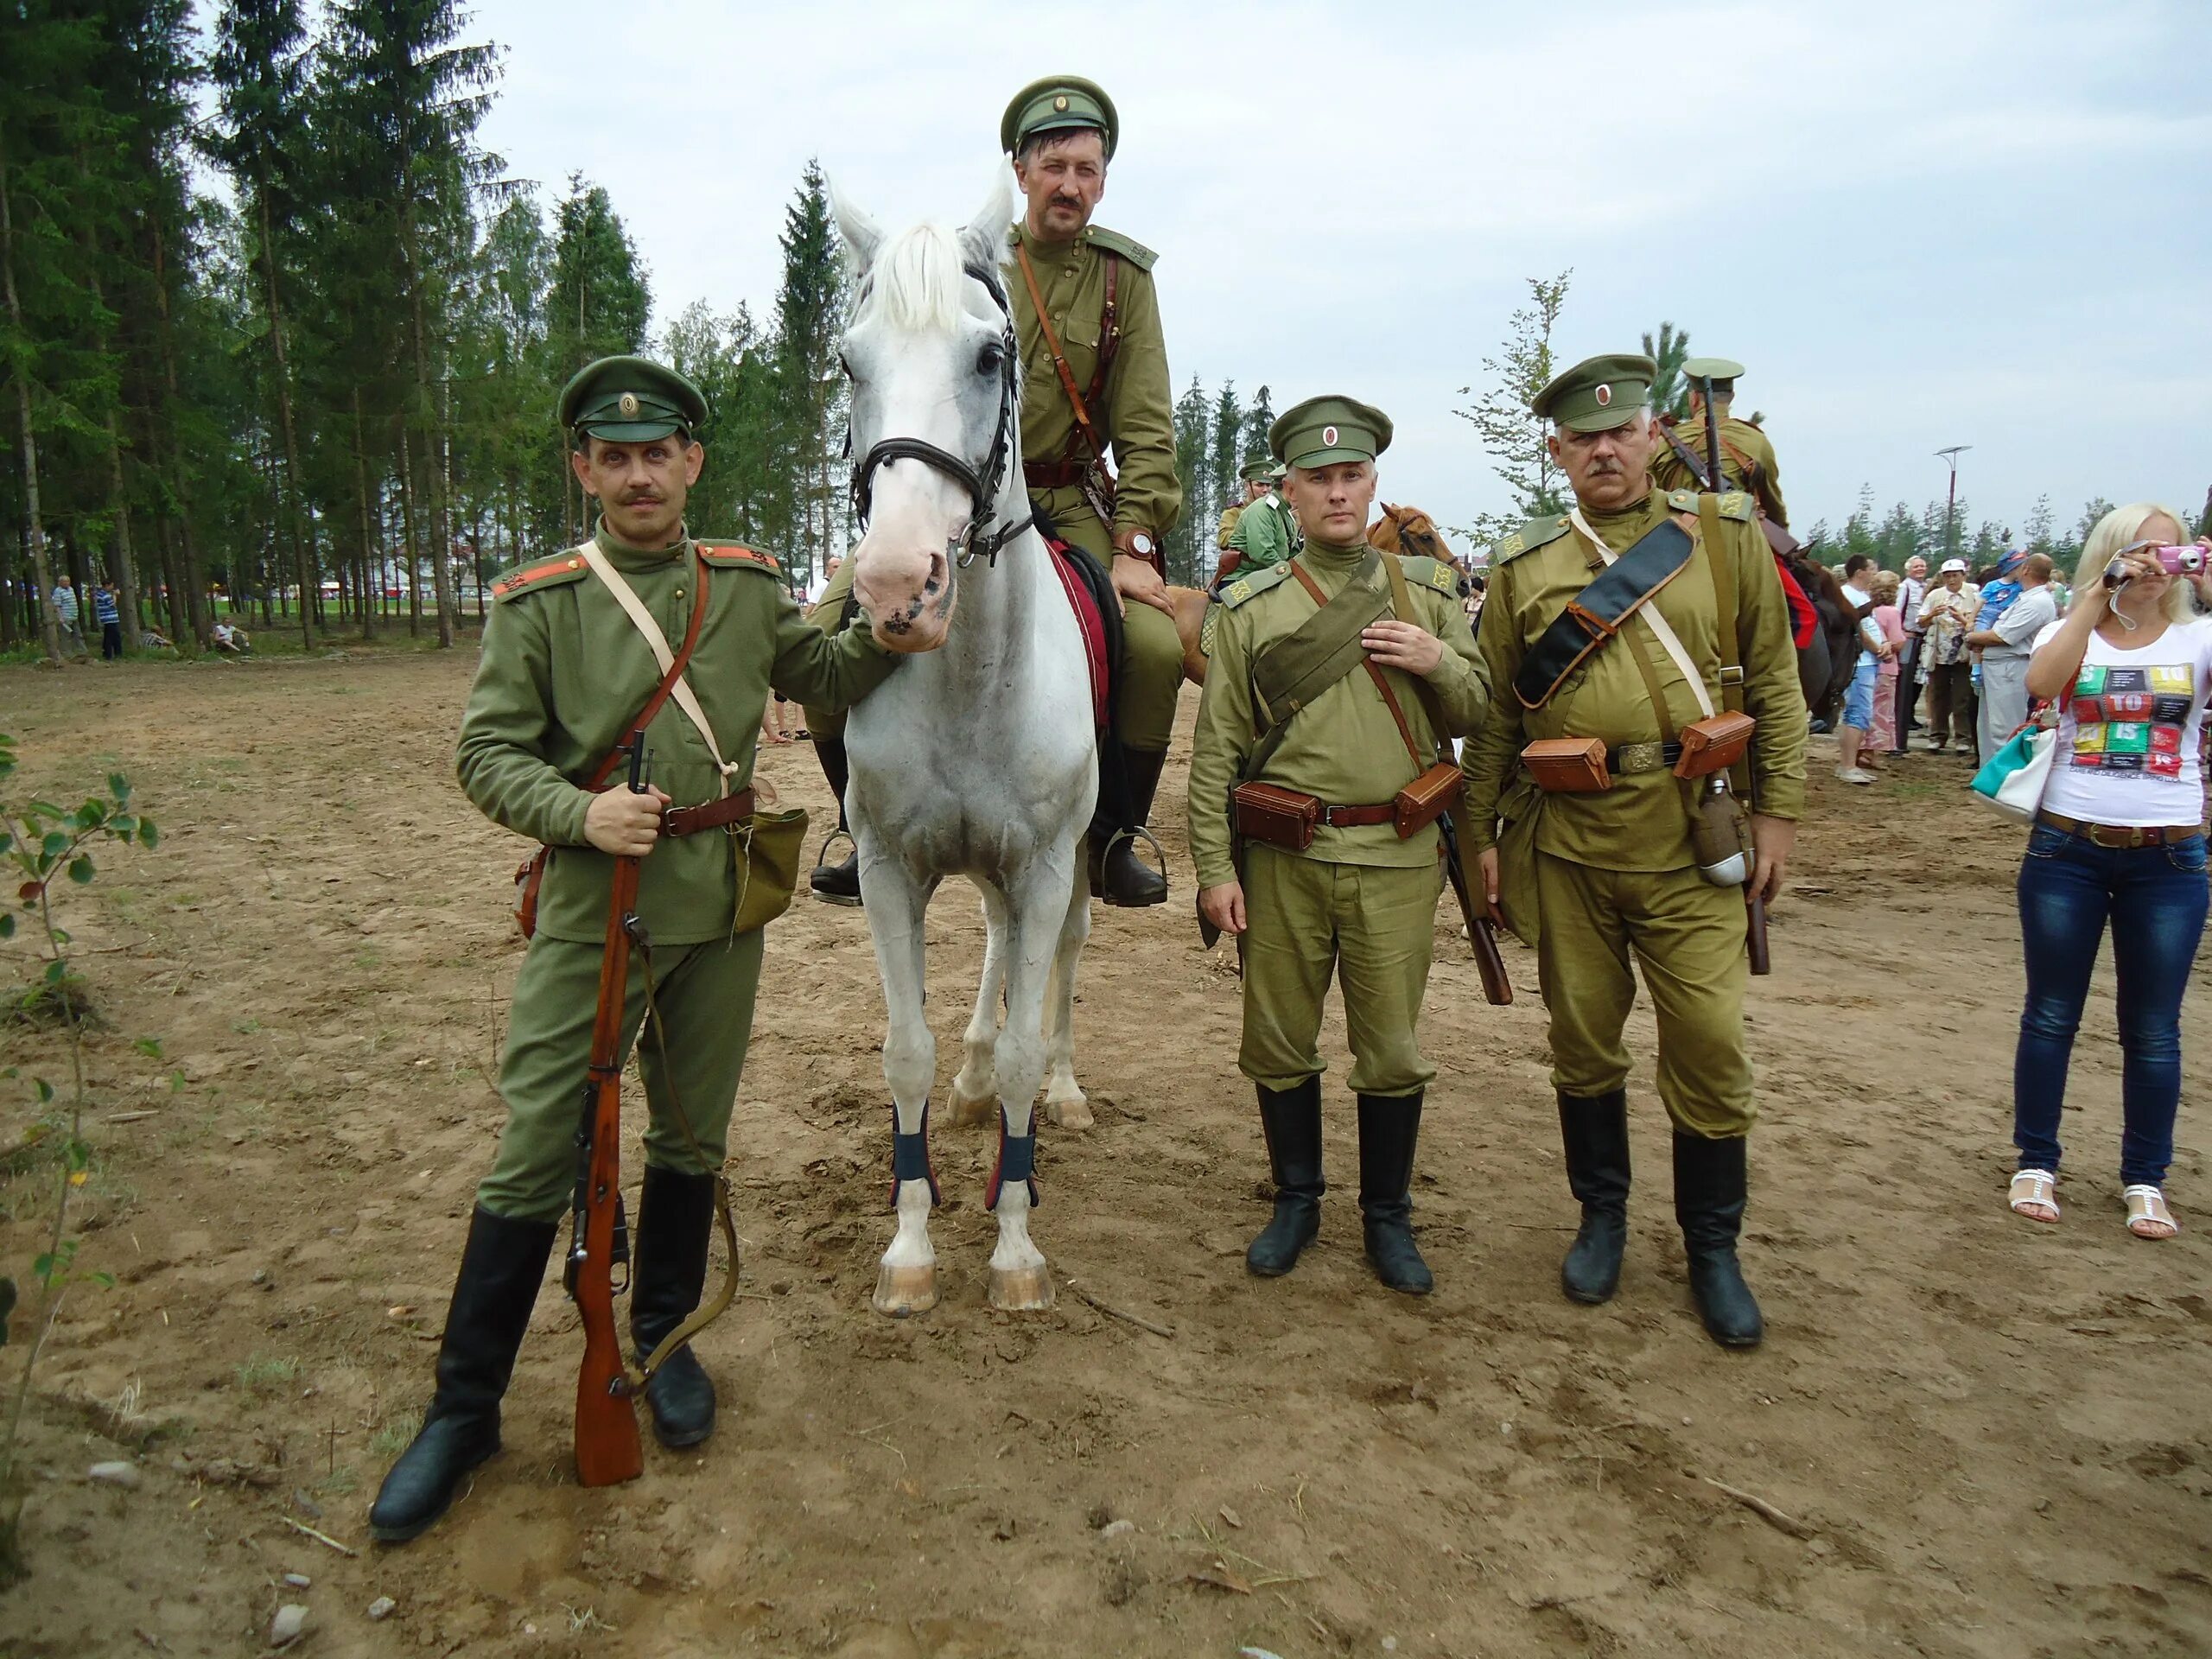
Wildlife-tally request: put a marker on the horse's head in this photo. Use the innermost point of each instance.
(935, 373)
(1410, 532)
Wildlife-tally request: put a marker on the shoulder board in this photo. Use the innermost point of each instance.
(730, 555)
(548, 573)
(1114, 242)
(1258, 583)
(1436, 575)
(1537, 532)
(1734, 504)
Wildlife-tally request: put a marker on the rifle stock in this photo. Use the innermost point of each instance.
(1489, 961)
(608, 1451)
(1755, 933)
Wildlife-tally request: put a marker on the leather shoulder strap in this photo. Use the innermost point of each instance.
(1077, 406)
(1110, 335)
(1593, 616)
(668, 679)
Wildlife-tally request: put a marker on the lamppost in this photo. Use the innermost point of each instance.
(1951, 507)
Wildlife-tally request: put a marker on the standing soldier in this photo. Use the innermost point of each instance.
(1332, 674)
(569, 664)
(1746, 456)
(1602, 666)
(1094, 379)
(1257, 475)
(1266, 535)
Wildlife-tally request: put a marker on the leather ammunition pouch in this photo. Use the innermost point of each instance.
(1568, 766)
(1715, 743)
(1593, 616)
(1427, 799)
(1280, 817)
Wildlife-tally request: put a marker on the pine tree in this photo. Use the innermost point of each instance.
(598, 306)
(1191, 551)
(1223, 454)
(1257, 420)
(1670, 393)
(810, 392)
(2041, 533)
(1512, 436)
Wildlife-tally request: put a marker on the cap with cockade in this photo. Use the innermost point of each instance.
(1257, 469)
(1057, 104)
(629, 400)
(1278, 472)
(1596, 394)
(1323, 430)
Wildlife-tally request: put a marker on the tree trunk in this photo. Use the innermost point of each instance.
(49, 623)
(408, 499)
(301, 563)
(188, 610)
(437, 530)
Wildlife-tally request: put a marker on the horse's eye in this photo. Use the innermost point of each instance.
(990, 359)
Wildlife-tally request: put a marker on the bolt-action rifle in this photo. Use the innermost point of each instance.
(1754, 906)
(607, 1448)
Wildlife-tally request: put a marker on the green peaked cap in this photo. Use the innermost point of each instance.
(1057, 104)
(1710, 368)
(1596, 394)
(1321, 430)
(630, 400)
(1257, 468)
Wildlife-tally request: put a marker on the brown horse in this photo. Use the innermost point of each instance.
(1824, 667)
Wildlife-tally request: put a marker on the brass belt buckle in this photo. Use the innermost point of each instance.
(1641, 757)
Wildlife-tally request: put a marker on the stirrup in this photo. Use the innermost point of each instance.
(1141, 832)
(822, 856)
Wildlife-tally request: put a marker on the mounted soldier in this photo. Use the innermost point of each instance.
(1267, 532)
(1747, 461)
(1098, 439)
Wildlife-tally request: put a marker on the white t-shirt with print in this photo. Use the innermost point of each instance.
(2130, 733)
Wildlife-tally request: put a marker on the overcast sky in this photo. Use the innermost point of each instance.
(1916, 223)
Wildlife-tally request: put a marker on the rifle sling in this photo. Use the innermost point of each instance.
(1596, 614)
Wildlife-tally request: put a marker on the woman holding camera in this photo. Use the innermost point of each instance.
(2119, 837)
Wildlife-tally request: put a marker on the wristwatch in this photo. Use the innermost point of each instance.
(1137, 544)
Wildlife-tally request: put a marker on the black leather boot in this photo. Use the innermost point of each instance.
(1594, 1131)
(675, 1213)
(1709, 1185)
(1389, 1127)
(1119, 877)
(501, 1267)
(1291, 1118)
(836, 884)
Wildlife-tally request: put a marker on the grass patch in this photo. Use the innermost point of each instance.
(264, 1373)
(397, 1434)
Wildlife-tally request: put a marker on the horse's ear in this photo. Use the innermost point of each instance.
(862, 235)
(983, 239)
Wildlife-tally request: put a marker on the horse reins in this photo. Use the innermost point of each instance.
(982, 483)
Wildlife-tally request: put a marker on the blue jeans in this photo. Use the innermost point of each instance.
(2155, 898)
(1858, 700)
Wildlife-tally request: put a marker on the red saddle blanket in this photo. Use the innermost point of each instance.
(1076, 577)
(1804, 621)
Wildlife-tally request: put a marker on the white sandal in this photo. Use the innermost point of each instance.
(2147, 1204)
(2038, 1187)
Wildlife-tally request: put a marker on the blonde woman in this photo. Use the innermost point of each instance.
(2119, 839)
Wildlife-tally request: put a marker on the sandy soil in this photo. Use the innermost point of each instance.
(1991, 1436)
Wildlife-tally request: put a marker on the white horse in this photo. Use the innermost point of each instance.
(978, 757)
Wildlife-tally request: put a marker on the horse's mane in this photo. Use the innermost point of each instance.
(917, 280)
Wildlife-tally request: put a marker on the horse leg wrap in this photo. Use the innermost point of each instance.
(910, 1158)
(1017, 1161)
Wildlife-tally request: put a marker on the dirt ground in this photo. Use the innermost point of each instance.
(1984, 1438)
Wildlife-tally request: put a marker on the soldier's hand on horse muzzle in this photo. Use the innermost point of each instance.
(623, 823)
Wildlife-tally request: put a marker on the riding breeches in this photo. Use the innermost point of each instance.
(1375, 928)
(704, 994)
(1149, 675)
(1689, 934)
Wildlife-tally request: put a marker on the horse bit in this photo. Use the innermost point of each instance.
(981, 483)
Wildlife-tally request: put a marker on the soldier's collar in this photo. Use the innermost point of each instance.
(615, 547)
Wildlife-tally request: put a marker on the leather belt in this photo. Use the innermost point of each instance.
(713, 814)
(1053, 474)
(2121, 834)
(1351, 817)
(1642, 757)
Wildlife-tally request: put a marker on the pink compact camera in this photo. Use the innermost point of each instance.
(2175, 561)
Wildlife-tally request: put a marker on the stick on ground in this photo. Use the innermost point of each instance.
(1764, 1510)
(1140, 1323)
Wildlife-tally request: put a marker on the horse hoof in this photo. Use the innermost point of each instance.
(903, 1291)
(969, 1112)
(1021, 1290)
(1069, 1114)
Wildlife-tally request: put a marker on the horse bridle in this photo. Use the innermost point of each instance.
(982, 483)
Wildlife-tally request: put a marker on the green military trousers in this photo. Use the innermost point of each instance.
(705, 993)
(1689, 934)
(1374, 927)
(1152, 652)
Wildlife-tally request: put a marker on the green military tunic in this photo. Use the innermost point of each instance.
(1359, 901)
(1748, 443)
(1614, 870)
(1266, 535)
(563, 672)
(1134, 416)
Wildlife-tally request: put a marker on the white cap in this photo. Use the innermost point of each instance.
(1952, 566)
